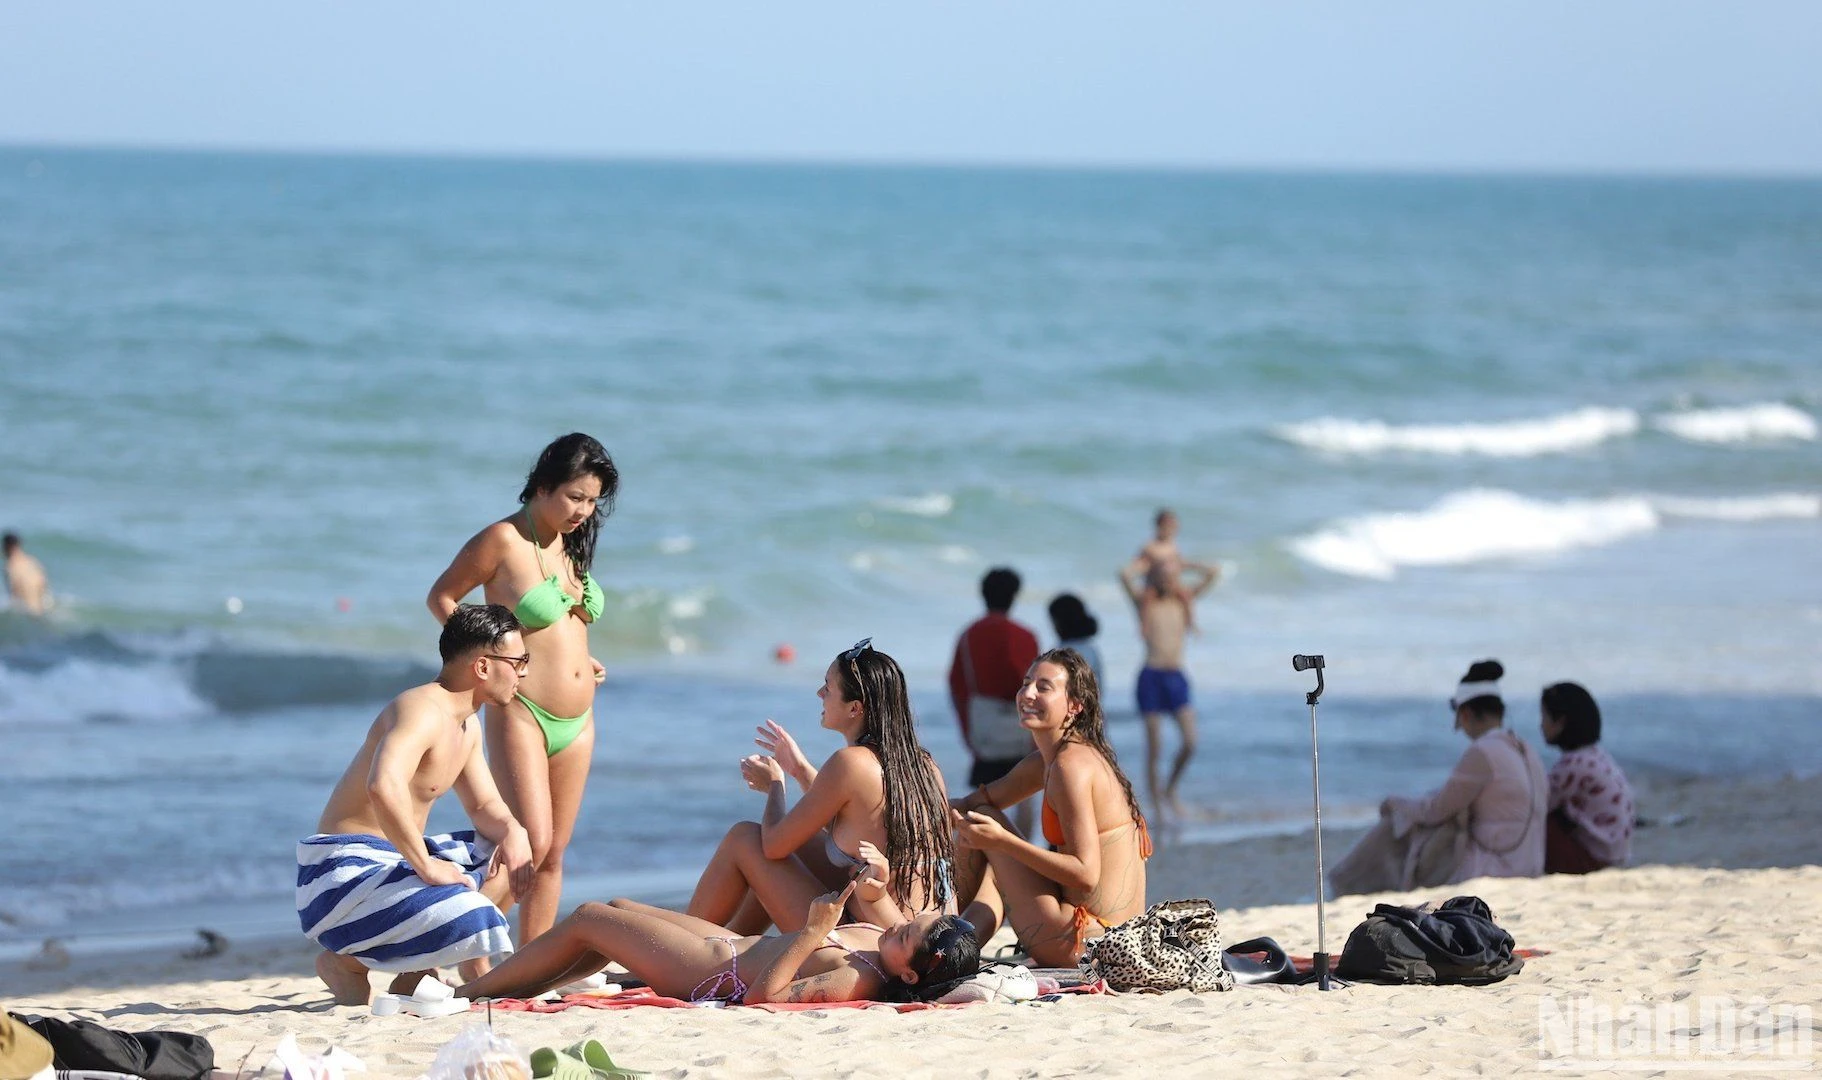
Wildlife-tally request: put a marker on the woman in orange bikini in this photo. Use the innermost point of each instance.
(1092, 875)
(536, 562)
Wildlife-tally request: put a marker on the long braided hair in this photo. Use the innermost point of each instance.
(918, 844)
(1089, 727)
(564, 460)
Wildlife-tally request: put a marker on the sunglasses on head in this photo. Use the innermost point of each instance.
(861, 646)
(942, 942)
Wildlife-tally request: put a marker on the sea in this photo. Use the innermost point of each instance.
(251, 405)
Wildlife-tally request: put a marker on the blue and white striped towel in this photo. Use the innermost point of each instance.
(357, 896)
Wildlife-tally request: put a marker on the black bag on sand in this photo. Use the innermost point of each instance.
(1241, 962)
(1458, 943)
(154, 1055)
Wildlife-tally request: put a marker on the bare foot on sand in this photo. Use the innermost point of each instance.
(470, 970)
(346, 978)
(406, 983)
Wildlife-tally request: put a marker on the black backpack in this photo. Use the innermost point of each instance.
(1457, 943)
(80, 1045)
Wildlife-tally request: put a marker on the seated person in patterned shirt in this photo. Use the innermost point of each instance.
(1591, 807)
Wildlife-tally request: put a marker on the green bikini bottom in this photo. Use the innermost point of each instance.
(558, 732)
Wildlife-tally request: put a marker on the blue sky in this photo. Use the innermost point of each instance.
(1600, 85)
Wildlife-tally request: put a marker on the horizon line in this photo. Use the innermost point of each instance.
(934, 164)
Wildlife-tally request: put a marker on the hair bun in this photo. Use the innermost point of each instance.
(1484, 671)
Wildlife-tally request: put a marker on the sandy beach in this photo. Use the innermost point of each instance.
(1719, 904)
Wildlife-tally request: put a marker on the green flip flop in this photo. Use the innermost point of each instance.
(549, 1064)
(592, 1054)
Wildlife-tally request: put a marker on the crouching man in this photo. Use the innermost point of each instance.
(372, 889)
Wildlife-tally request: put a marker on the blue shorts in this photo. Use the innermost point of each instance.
(1162, 691)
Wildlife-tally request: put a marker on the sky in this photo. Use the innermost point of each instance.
(1659, 86)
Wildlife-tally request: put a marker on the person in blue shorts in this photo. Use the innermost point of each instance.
(1162, 597)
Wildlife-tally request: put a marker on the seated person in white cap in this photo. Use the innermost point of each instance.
(1487, 820)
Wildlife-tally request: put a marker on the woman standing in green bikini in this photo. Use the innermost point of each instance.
(536, 562)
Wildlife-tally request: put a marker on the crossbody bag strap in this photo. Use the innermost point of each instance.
(968, 662)
(1524, 754)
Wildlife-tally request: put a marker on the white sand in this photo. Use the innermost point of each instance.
(1659, 934)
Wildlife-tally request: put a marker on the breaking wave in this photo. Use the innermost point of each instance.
(1480, 525)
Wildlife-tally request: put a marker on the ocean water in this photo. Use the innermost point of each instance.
(251, 405)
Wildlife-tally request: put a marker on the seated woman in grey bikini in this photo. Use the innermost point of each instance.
(878, 800)
(685, 957)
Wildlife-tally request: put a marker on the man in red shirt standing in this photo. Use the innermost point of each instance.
(991, 659)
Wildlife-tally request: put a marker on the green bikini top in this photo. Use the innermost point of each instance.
(546, 602)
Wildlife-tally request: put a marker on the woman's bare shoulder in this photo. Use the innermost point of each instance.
(1078, 764)
(853, 763)
(499, 538)
(505, 530)
(1077, 755)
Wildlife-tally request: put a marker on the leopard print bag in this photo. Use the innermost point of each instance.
(1175, 945)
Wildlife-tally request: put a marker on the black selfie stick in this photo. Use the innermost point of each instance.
(1300, 662)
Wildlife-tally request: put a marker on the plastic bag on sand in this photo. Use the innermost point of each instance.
(479, 1054)
(332, 1064)
(1001, 983)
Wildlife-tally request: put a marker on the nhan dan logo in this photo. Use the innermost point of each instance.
(1710, 1034)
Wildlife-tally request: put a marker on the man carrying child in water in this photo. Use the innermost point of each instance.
(1166, 609)
(372, 889)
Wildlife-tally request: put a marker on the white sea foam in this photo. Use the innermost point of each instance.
(676, 545)
(690, 605)
(1786, 506)
(934, 504)
(1511, 438)
(82, 689)
(1747, 423)
(1472, 526)
(1479, 525)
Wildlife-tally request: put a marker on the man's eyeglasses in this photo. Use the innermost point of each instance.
(519, 663)
(861, 646)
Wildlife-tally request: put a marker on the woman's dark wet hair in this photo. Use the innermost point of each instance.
(1486, 706)
(1574, 707)
(919, 845)
(1089, 727)
(568, 458)
(474, 627)
(1070, 618)
(949, 954)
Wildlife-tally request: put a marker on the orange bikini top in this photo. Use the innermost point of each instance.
(1053, 830)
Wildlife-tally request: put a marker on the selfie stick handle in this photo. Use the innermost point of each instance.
(1322, 957)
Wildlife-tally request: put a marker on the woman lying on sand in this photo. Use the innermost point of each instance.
(682, 956)
(1093, 874)
(878, 800)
